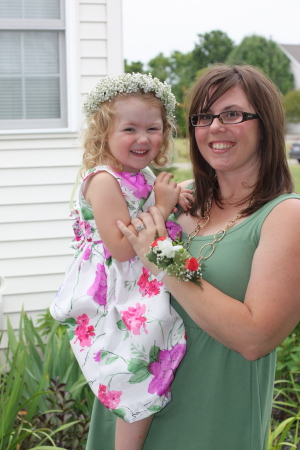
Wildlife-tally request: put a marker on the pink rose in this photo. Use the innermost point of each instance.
(148, 288)
(110, 399)
(84, 331)
(133, 318)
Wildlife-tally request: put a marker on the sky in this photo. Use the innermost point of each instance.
(154, 26)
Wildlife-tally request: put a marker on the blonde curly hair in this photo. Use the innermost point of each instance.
(99, 126)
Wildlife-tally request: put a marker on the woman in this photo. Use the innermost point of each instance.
(244, 223)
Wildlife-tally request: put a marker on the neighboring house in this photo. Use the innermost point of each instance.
(293, 53)
(52, 52)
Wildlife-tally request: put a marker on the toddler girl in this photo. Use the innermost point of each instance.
(124, 333)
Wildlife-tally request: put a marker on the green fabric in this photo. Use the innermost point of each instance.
(219, 399)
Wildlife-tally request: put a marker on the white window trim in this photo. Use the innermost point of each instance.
(71, 83)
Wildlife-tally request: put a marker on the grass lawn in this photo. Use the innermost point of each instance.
(181, 155)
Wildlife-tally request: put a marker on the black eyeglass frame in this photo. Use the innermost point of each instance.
(245, 116)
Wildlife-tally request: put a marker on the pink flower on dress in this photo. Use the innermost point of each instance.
(107, 255)
(86, 227)
(143, 281)
(87, 253)
(97, 356)
(84, 331)
(174, 230)
(148, 288)
(98, 290)
(164, 368)
(133, 318)
(137, 183)
(110, 399)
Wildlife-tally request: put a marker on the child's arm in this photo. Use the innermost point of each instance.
(166, 193)
(104, 194)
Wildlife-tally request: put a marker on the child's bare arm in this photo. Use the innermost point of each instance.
(104, 194)
(166, 193)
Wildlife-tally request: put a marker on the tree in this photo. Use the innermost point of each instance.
(135, 66)
(265, 54)
(291, 103)
(213, 47)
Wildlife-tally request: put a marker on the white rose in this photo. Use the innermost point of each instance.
(167, 248)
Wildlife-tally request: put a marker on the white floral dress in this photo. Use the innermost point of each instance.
(127, 338)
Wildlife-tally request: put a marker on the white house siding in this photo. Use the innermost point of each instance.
(37, 170)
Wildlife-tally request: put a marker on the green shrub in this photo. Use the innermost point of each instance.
(39, 381)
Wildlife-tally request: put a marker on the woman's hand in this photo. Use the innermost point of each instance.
(148, 225)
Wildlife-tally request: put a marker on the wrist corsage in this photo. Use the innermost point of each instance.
(175, 260)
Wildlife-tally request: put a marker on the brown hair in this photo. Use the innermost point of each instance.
(274, 177)
(99, 125)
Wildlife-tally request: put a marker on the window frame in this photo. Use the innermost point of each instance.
(59, 25)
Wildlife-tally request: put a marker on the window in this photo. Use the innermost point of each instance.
(32, 64)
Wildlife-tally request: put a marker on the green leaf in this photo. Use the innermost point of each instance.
(87, 213)
(120, 412)
(154, 408)
(135, 364)
(111, 360)
(154, 350)
(121, 325)
(70, 322)
(140, 375)
(70, 334)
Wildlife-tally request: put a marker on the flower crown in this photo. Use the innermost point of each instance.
(107, 88)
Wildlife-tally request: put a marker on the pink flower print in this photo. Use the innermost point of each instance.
(137, 183)
(107, 255)
(174, 230)
(77, 230)
(133, 318)
(97, 356)
(143, 281)
(84, 331)
(148, 288)
(110, 399)
(87, 253)
(164, 368)
(86, 227)
(98, 290)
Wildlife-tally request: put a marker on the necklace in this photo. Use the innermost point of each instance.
(217, 237)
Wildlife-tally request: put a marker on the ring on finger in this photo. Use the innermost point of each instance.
(139, 228)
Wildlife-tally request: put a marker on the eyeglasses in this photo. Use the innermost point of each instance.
(226, 117)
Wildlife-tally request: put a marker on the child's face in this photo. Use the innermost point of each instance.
(137, 133)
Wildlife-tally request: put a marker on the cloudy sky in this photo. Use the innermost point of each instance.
(154, 26)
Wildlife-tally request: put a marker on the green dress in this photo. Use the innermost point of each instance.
(220, 400)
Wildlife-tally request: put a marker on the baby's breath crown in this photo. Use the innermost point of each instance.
(107, 88)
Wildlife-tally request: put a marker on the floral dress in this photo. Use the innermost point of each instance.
(127, 338)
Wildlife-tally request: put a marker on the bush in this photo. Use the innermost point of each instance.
(44, 397)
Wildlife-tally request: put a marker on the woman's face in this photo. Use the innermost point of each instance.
(230, 148)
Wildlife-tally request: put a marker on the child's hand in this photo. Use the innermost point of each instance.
(166, 193)
(186, 199)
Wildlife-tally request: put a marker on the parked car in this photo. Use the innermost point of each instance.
(295, 151)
